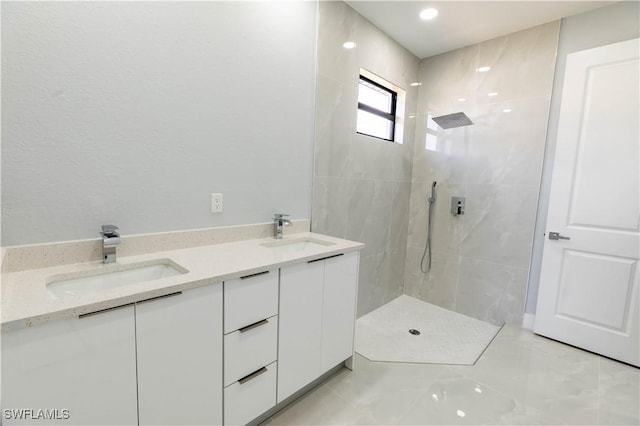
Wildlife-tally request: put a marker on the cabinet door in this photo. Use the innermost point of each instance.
(179, 342)
(300, 326)
(84, 365)
(339, 309)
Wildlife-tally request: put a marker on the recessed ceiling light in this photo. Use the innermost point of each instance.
(506, 110)
(416, 83)
(429, 13)
(483, 69)
(492, 94)
(460, 413)
(462, 99)
(348, 45)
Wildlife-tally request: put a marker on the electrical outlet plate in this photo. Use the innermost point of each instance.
(217, 205)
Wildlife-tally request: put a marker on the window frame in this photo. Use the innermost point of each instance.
(390, 116)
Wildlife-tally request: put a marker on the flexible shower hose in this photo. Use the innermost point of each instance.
(427, 247)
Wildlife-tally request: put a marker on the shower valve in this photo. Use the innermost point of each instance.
(457, 205)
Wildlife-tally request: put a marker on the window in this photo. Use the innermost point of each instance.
(376, 110)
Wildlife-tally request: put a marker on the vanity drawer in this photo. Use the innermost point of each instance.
(250, 348)
(256, 394)
(250, 299)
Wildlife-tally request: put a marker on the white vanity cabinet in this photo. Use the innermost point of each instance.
(225, 353)
(158, 361)
(317, 317)
(179, 342)
(338, 309)
(84, 365)
(250, 346)
(300, 326)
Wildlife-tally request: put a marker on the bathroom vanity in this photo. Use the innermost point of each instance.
(239, 332)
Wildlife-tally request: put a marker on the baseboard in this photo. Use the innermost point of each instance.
(528, 320)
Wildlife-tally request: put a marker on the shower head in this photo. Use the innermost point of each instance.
(451, 121)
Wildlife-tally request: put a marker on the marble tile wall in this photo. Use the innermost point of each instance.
(481, 259)
(362, 185)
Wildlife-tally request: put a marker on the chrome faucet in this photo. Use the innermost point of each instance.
(110, 238)
(278, 223)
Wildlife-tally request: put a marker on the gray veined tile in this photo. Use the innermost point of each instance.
(508, 147)
(447, 162)
(335, 123)
(522, 63)
(372, 158)
(337, 23)
(399, 215)
(438, 286)
(446, 228)
(618, 394)
(321, 406)
(369, 213)
(384, 391)
(458, 400)
(521, 379)
(329, 215)
(499, 222)
(491, 292)
(556, 379)
(395, 279)
(372, 282)
(448, 77)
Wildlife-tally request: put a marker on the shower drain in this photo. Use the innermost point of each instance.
(414, 332)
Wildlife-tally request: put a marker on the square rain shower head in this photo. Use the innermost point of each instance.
(449, 121)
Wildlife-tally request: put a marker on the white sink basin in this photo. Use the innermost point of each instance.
(297, 244)
(111, 276)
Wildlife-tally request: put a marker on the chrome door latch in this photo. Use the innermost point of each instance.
(557, 236)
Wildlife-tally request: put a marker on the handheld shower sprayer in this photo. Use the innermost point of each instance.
(425, 262)
(432, 199)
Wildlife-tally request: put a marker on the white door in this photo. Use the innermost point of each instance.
(589, 283)
(179, 344)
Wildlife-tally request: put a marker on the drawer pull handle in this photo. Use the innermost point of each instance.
(253, 375)
(254, 275)
(252, 326)
(101, 311)
(324, 258)
(160, 297)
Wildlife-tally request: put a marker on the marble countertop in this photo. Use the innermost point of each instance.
(26, 301)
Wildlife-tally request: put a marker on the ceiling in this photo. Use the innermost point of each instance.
(462, 23)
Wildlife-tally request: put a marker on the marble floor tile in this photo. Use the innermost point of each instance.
(521, 379)
(385, 391)
(321, 406)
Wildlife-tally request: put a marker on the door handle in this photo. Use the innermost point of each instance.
(557, 236)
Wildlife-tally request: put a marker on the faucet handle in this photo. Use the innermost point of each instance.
(280, 215)
(110, 231)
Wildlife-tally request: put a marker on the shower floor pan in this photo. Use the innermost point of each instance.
(444, 336)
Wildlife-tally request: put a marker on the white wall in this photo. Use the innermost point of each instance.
(600, 27)
(134, 112)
